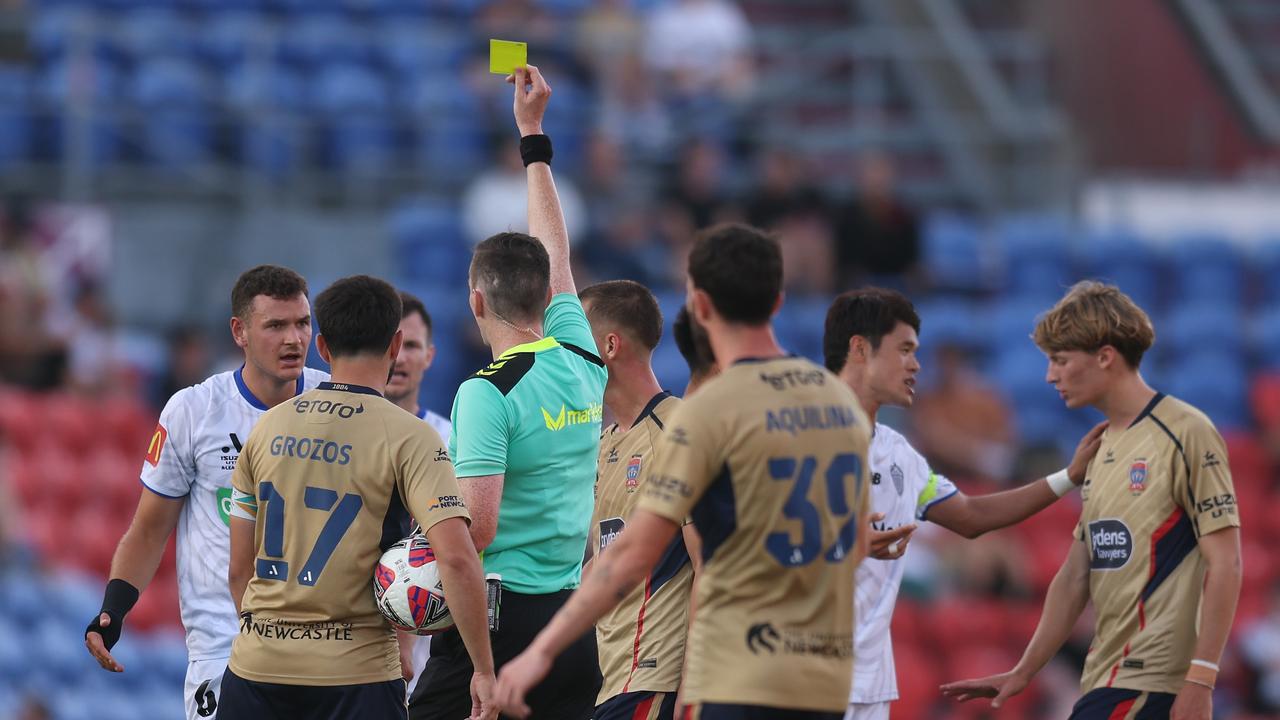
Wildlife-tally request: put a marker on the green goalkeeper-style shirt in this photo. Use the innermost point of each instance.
(534, 415)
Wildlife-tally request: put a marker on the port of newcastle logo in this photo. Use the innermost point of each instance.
(1138, 476)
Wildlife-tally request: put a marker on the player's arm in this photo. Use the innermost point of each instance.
(483, 496)
(463, 579)
(1221, 552)
(1068, 594)
(629, 560)
(974, 515)
(132, 567)
(693, 543)
(546, 219)
(240, 566)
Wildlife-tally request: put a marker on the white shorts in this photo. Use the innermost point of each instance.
(867, 711)
(421, 653)
(203, 688)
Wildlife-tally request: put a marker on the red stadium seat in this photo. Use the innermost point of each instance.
(21, 418)
(71, 421)
(129, 424)
(918, 681)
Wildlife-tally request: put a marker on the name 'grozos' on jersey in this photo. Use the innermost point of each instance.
(328, 478)
(769, 460)
(1150, 493)
(641, 641)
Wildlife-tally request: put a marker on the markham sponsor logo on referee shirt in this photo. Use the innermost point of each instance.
(569, 417)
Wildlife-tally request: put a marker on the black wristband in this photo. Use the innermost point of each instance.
(119, 598)
(535, 148)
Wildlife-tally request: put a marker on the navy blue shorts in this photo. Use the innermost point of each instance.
(716, 711)
(248, 700)
(1121, 704)
(638, 706)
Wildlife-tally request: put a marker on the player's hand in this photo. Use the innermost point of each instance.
(483, 706)
(1085, 451)
(532, 94)
(517, 678)
(1000, 687)
(102, 635)
(406, 660)
(1194, 702)
(891, 544)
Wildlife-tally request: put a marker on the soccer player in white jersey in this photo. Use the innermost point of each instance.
(417, 352)
(870, 342)
(187, 480)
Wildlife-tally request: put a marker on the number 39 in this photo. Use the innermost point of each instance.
(798, 507)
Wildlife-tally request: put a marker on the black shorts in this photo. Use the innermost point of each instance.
(1107, 703)
(248, 700)
(568, 693)
(638, 706)
(718, 711)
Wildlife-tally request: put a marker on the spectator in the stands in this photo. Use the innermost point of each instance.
(878, 235)
(189, 362)
(496, 200)
(962, 423)
(701, 48)
(29, 354)
(786, 204)
(1260, 645)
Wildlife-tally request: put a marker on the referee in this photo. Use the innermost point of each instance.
(526, 432)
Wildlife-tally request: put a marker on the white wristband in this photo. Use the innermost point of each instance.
(1060, 483)
(1205, 664)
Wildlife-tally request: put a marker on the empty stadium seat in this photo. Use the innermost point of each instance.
(1128, 262)
(1206, 266)
(1036, 256)
(16, 138)
(1202, 323)
(954, 254)
(324, 38)
(1214, 382)
(230, 37)
(148, 33)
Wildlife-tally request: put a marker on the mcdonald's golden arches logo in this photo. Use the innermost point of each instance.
(156, 445)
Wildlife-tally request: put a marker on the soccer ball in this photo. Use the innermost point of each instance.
(407, 588)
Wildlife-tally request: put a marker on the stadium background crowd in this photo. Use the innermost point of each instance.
(149, 148)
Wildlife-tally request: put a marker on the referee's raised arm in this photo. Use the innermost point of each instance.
(546, 220)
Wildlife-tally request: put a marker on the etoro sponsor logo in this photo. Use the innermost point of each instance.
(1111, 544)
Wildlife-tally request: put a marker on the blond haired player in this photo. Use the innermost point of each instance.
(768, 459)
(641, 641)
(1157, 548)
(320, 491)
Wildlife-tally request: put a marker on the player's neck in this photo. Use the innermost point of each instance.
(502, 337)
(1124, 401)
(854, 381)
(269, 390)
(732, 343)
(629, 391)
(370, 372)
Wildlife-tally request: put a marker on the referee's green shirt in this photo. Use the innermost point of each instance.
(534, 415)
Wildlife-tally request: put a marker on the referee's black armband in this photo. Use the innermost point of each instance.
(535, 148)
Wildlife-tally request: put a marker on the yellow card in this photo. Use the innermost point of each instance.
(506, 55)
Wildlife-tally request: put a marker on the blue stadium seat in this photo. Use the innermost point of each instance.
(1265, 334)
(1207, 266)
(669, 366)
(253, 87)
(950, 321)
(315, 40)
(1215, 382)
(56, 30)
(360, 136)
(1036, 255)
(173, 95)
(1126, 261)
(1265, 262)
(451, 146)
(148, 33)
(15, 119)
(434, 95)
(413, 50)
(428, 244)
(953, 253)
(229, 37)
(1202, 324)
(1006, 322)
(271, 141)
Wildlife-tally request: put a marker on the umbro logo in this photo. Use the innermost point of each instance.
(680, 437)
(613, 456)
(442, 455)
(1110, 457)
(1210, 459)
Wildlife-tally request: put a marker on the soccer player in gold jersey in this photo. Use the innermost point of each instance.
(641, 641)
(769, 461)
(320, 490)
(1157, 548)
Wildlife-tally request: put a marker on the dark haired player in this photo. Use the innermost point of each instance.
(187, 476)
(768, 459)
(870, 342)
(320, 492)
